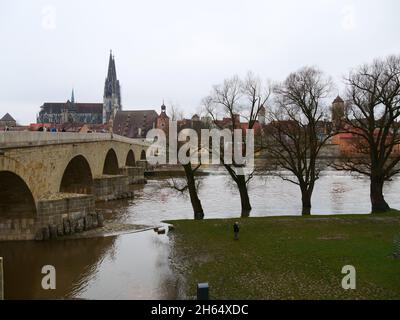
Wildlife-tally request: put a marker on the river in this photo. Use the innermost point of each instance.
(137, 265)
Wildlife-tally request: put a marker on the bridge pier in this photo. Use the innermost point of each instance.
(111, 187)
(135, 174)
(144, 164)
(12, 229)
(62, 214)
(67, 214)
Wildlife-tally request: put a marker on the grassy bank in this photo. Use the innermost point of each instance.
(290, 257)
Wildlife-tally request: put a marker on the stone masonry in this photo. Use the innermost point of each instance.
(111, 187)
(40, 160)
(55, 218)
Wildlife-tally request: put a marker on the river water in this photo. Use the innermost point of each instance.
(138, 266)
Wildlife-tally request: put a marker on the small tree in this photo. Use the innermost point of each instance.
(296, 132)
(372, 117)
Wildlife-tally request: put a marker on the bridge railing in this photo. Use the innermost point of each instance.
(13, 139)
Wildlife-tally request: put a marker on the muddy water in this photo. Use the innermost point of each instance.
(137, 266)
(133, 266)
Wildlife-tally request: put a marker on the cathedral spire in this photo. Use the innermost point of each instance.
(112, 91)
(114, 68)
(72, 96)
(111, 67)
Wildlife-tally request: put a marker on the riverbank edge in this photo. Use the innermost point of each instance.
(204, 251)
(110, 230)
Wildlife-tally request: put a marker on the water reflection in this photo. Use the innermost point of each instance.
(76, 263)
(136, 266)
(137, 269)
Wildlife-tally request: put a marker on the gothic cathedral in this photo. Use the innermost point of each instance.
(71, 112)
(112, 93)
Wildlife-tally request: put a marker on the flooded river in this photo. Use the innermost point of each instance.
(137, 266)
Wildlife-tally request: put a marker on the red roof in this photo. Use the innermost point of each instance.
(345, 135)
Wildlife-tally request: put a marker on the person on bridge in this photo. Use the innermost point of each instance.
(236, 231)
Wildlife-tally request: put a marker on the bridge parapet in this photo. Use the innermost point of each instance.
(17, 139)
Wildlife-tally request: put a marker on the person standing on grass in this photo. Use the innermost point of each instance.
(236, 231)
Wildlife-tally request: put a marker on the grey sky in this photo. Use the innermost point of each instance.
(177, 50)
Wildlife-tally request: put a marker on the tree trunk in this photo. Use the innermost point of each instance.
(194, 199)
(306, 201)
(244, 196)
(377, 199)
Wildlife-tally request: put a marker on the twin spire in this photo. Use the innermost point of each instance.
(112, 92)
(112, 72)
(112, 83)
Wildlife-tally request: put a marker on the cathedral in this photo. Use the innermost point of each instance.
(112, 93)
(59, 113)
(72, 116)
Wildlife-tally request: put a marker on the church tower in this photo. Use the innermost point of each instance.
(338, 112)
(163, 120)
(112, 92)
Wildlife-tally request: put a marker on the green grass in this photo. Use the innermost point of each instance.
(289, 257)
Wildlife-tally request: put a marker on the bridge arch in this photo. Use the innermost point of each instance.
(130, 159)
(77, 176)
(16, 198)
(143, 155)
(111, 163)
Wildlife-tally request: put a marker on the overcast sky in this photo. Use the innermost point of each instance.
(177, 50)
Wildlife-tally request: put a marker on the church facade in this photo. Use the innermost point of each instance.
(58, 113)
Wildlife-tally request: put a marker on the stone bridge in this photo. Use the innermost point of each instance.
(49, 182)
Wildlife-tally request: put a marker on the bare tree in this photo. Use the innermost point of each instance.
(175, 113)
(372, 117)
(235, 99)
(192, 187)
(297, 130)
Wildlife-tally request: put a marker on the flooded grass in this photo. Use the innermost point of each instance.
(290, 257)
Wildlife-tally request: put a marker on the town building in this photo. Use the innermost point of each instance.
(8, 121)
(134, 123)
